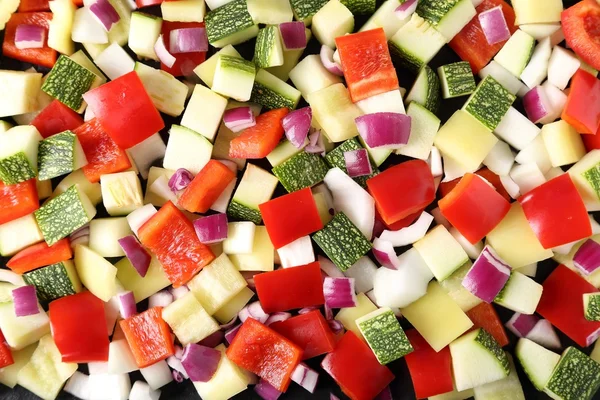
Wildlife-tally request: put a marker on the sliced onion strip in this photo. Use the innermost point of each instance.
(330, 65)
(487, 276)
(385, 254)
(163, 54)
(339, 292)
(25, 301)
(211, 229)
(239, 118)
(384, 129)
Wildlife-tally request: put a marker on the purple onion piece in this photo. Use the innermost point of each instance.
(293, 35)
(177, 376)
(385, 254)
(230, 324)
(521, 324)
(328, 312)
(238, 119)
(384, 129)
(25, 301)
(200, 362)
(296, 126)
(213, 340)
(266, 391)
(160, 299)
(29, 36)
(188, 40)
(358, 163)
(587, 257)
(326, 55)
(536, 104)
(494, 25)
(180, 180)
(487, 276)
(406, 9)
(339, 292)
(336, 326)
(211, 229)
(305, 377)
(306, 310)
(386, 394)
(315, 144)
(230, 334)
(127, 306)
(105, 13)
(137, 255)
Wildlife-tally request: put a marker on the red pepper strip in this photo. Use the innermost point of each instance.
(40, 255)
(18, 200)
(6, 357)
(582, 110)
(484, 316)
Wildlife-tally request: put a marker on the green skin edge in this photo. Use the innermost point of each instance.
(304, 9)
(592, 307)
(270, 99)
(407, 59)
(435, 10)
(490, 103)
(592, 175)
(227, 20)
(386, 337)
(265, 43)
(488, 341)
(343, 243)
(575, 377)
(51, 282)
(16, 169)
(360, 7)
(301, 171)
(242, 212)
(433, 97)
(335, 158)
(56, 155)
(229, 62)
(67, 82)
(459, 79)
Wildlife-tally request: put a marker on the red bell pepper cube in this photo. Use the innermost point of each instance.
(470, 43)
(148, 336)
(102, 153)
(446, 187)
(310, 331)
(44, 56)
(430, 371)
(40, 255)
(6, 357)
(185, 63)
(259, 140)
(56, 118)
(79, 328)
(582, 110)
(33, 5)
(206, 187)
(290, 288)
(125, 110)
(259, 349)
(147, 3)
(562, 305)
(172, 238)
(591, 142)
(473, 207)
(556, 212)
(355, 368)
(578, 23)
(485, 316)
(367, 64)
(291, 217)
(18, 200)
(402, 190)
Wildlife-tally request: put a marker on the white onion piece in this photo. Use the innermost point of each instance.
(239, 118)
(435, 162)
(11, 277)
(329, 268)
(29, 37)
(179, 292)
(521, 324)
(363, 271)
(500, 159)
(562, 66)
(78, 385)
(494, 25)
(188, 40)
(139, 217)
(97, 367)
(536, 71)
(410, 234)
(127, 306)
(160, 299)
(112, 386)
(510, 186)
(487, 276)
(544, 334)
(472, 250)
(278, 317)
(254, 311)
(557, 100)
(299, 252)
(516, 129)
(157, 375)
(503, 76)
(105, 13)
(535, 152)
(293, 35)
(326, 55)
(175, 363)
(384, 129)
(385, 254)
(358, 163)
(141, 391)
(120, 358)
(527, 177)
(406, 9)
(339, 292)
(305, 377)
(536, 104)
(163, 54)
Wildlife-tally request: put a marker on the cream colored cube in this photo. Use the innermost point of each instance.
(563, 143)
(189, 320)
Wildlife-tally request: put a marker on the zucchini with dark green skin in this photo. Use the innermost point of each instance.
(591, 305)
(342, 242)
(305, 9)
(489, 103)
(239, 211)
(56, 155)
(16, 169)
(426, 90)
(457, 79)
(385, 336)
(268, 47)
(575, 377)
(335, 158)
(67, 82)
(301, 171)
(54, 281)
(360, 7)
(487, 341)
(434, 10)
(592, 175)
(273, 93)
(227, 20)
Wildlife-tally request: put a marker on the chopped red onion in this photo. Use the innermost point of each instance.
(162, 53)
(127, 306)
(296, 126)
(378, 227)
(230, 334)
(105, 13)
(179, 292)
(329, 311)
(266, 391)
(335, 326)
(543, 333)
(11, 277)
(278, 317)
(29, 37)
(536, 104)
(160, 299)
(487, 276)
(239, 118)
(406, 9)
(330, 268)
(80, 236)
(25, 301)
(306, 310)
(230, 324)
(178, 352)
(587, 257)
(386, 394)
(293, 35)
(180, 180)
(254, 311)
(305, 377)
(333, 397)
(330, 65)
(315, 143)
(135, 252)
(385, 129)
(249, 277)
(358, 163)
(339, 292)
(177, 376)
(200, 362)
(494, 25)
(385, 254)
(211, 229)
(521, 324)
(188, 40)
(213, 340)
(410, 234)
(175, 363)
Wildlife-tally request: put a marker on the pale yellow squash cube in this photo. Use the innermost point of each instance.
(465, 140)
(537, 11)
(230, 310)
(92, 190)
(335, 112)
(348, 316)
(437, 318)
(189, 320)
(228, 380)
(514, 240)
(96, 273)
(153, 174)
(20, 332)
(121, 193)
(563, 143)
(206, 70)
(441, 252)
(262, 257)
(586, 177)
(142, 287)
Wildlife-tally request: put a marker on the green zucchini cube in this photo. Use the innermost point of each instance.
(64, 214)
(59, 154)
(591, 306)
(457, 79)
(301, 171)
(67, 82)
(335, 158)
(341, 240)
(256, 187)
(272, 93)
(575, 377)
(268, 51)
(230, 24)
(305, 9)
(54, 281)
(447, 16)
(18, 154)
(234, 77)
(385, 336)
(489, 103)
(360, 7)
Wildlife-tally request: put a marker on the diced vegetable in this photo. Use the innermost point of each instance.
(447, 18)
(456, 79)
(575, 376)
(384, 335)
(417, 42)
(310, 331)
(189, 320)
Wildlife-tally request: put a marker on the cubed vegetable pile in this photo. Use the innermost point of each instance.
(271, 221)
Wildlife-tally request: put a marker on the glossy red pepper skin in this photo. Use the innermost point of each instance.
(185, 63)
(431, 372)
(44, 56)
(473, 207)
(485, 316)
(79, 328)
(291, 217)
(580, 24)
(18, 200)
(446, 187)
(6, 357)
(290, 288)
(125, 110)
(562, 305)
(259, 349)
(261, 139)
(402, 190)
(56, 118)
(355, 368)
(582, 110)
(556, 212)
(149, 337)
(39, 255)
(310, 331)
